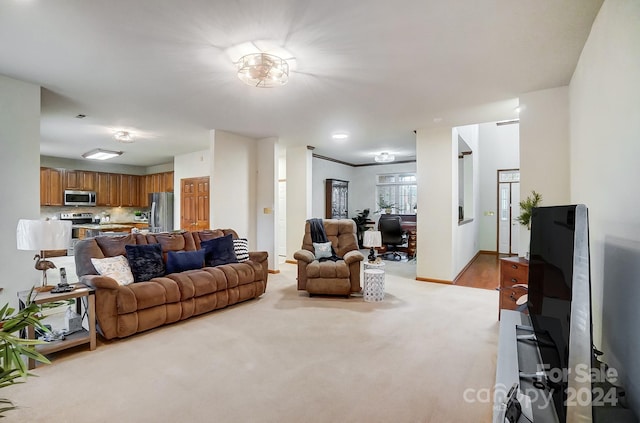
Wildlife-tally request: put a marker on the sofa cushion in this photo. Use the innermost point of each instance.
(114, 267)
(114, 245)
(219, 251)
(241, 248)
(328, 269)
(179, 261)
(145, 261)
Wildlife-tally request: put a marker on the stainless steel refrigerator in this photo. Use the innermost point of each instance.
(161, 213)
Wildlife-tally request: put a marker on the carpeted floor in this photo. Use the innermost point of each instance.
(287, 358)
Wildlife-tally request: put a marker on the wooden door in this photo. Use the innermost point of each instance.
(194, 204)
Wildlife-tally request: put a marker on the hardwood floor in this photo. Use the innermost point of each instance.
(484, 272)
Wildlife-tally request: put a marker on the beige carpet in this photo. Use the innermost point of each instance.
(286, 358)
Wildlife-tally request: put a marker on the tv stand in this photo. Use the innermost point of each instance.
(519, 362)
(516, 361)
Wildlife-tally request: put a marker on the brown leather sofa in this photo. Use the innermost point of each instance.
(122, 311)
(341, 277)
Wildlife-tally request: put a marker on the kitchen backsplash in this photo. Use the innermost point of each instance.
(117, 214)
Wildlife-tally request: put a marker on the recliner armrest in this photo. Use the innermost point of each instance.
(353, 256)
(304, 255)
(98, 281)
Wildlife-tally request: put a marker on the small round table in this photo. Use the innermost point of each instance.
(373, 285)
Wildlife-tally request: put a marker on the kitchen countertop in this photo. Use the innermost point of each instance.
(103, 226)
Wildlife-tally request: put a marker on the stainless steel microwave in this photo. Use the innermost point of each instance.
(79, 198)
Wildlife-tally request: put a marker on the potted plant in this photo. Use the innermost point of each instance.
(526, 207)
(13, 347)
(361, 224)
(384, 205)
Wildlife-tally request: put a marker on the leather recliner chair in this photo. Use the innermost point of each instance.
(328, 277)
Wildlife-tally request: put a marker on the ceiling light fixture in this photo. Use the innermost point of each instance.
(263, 70)
(384, 157)
(340, 136)
(100, 154)
(123, 136)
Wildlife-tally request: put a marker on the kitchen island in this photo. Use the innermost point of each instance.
(86, 230)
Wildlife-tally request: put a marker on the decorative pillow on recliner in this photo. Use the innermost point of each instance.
(219, 251)
(322, 249)
(114, 267)
(145, 261)
(179, 261)
(241, 248)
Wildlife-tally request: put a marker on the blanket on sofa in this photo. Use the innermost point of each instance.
(318, 234)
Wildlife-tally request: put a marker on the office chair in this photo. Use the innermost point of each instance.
(392, 234)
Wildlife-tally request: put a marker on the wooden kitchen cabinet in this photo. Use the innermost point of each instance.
(51, 187)
(130, 190)
(79, 180)
(108, 189)
(167, 178)
(514, 280)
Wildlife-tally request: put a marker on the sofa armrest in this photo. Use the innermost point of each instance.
(258, 256)
(98, 281)
(304, 255)
(353, 256)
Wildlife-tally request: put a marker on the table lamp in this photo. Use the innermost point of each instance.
(372, 239)
(42, 235)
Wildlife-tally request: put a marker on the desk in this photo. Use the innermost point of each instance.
(409, 225)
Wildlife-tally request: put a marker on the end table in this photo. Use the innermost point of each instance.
(85, 297)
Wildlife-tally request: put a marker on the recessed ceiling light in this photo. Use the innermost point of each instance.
(81, 116)
(100, 154)
(340, 136)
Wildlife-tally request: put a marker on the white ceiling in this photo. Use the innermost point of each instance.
(377, 69)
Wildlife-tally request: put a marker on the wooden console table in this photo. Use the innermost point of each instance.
(514, 279)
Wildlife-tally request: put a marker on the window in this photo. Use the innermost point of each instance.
(398, 190)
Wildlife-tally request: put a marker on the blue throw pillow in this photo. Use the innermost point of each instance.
(179, 261)
(145, 261)
(219, 251)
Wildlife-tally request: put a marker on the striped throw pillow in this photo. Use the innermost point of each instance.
(241, 247)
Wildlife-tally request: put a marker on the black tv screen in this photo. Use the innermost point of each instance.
(551, 271)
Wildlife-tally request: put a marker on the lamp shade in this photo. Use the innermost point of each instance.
(372, 239)
(38, 235)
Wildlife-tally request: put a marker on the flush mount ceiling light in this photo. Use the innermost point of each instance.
(340, 136)
(384, 157)
(123, 136)
(263, 70)
(100, 154)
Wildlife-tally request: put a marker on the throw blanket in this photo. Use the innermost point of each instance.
(319, 235)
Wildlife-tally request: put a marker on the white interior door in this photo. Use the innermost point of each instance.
(515, 212)
(282, 220)
(508, 211)
(504, 218)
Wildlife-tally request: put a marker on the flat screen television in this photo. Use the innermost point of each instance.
(559, 305)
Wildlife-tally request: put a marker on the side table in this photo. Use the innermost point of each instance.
(85, 297)
(373, 281)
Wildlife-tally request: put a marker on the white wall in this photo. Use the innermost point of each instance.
(465, 245)
(190, 165)
(437, 160)
(499, 149)
(544, 149)
(20, 171)
(299, 189)
(233, 186)
(605, 147)
(267, 199)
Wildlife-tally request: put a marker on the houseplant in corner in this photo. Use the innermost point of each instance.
(13, 347)
(526, 207)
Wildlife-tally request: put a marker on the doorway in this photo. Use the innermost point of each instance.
(508, 211)
(194, 203)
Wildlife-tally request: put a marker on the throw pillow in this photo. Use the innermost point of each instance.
(145, 261)
(114, 267)
(241, 248)
(219, 251)
(179, 261)
(322, 249)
